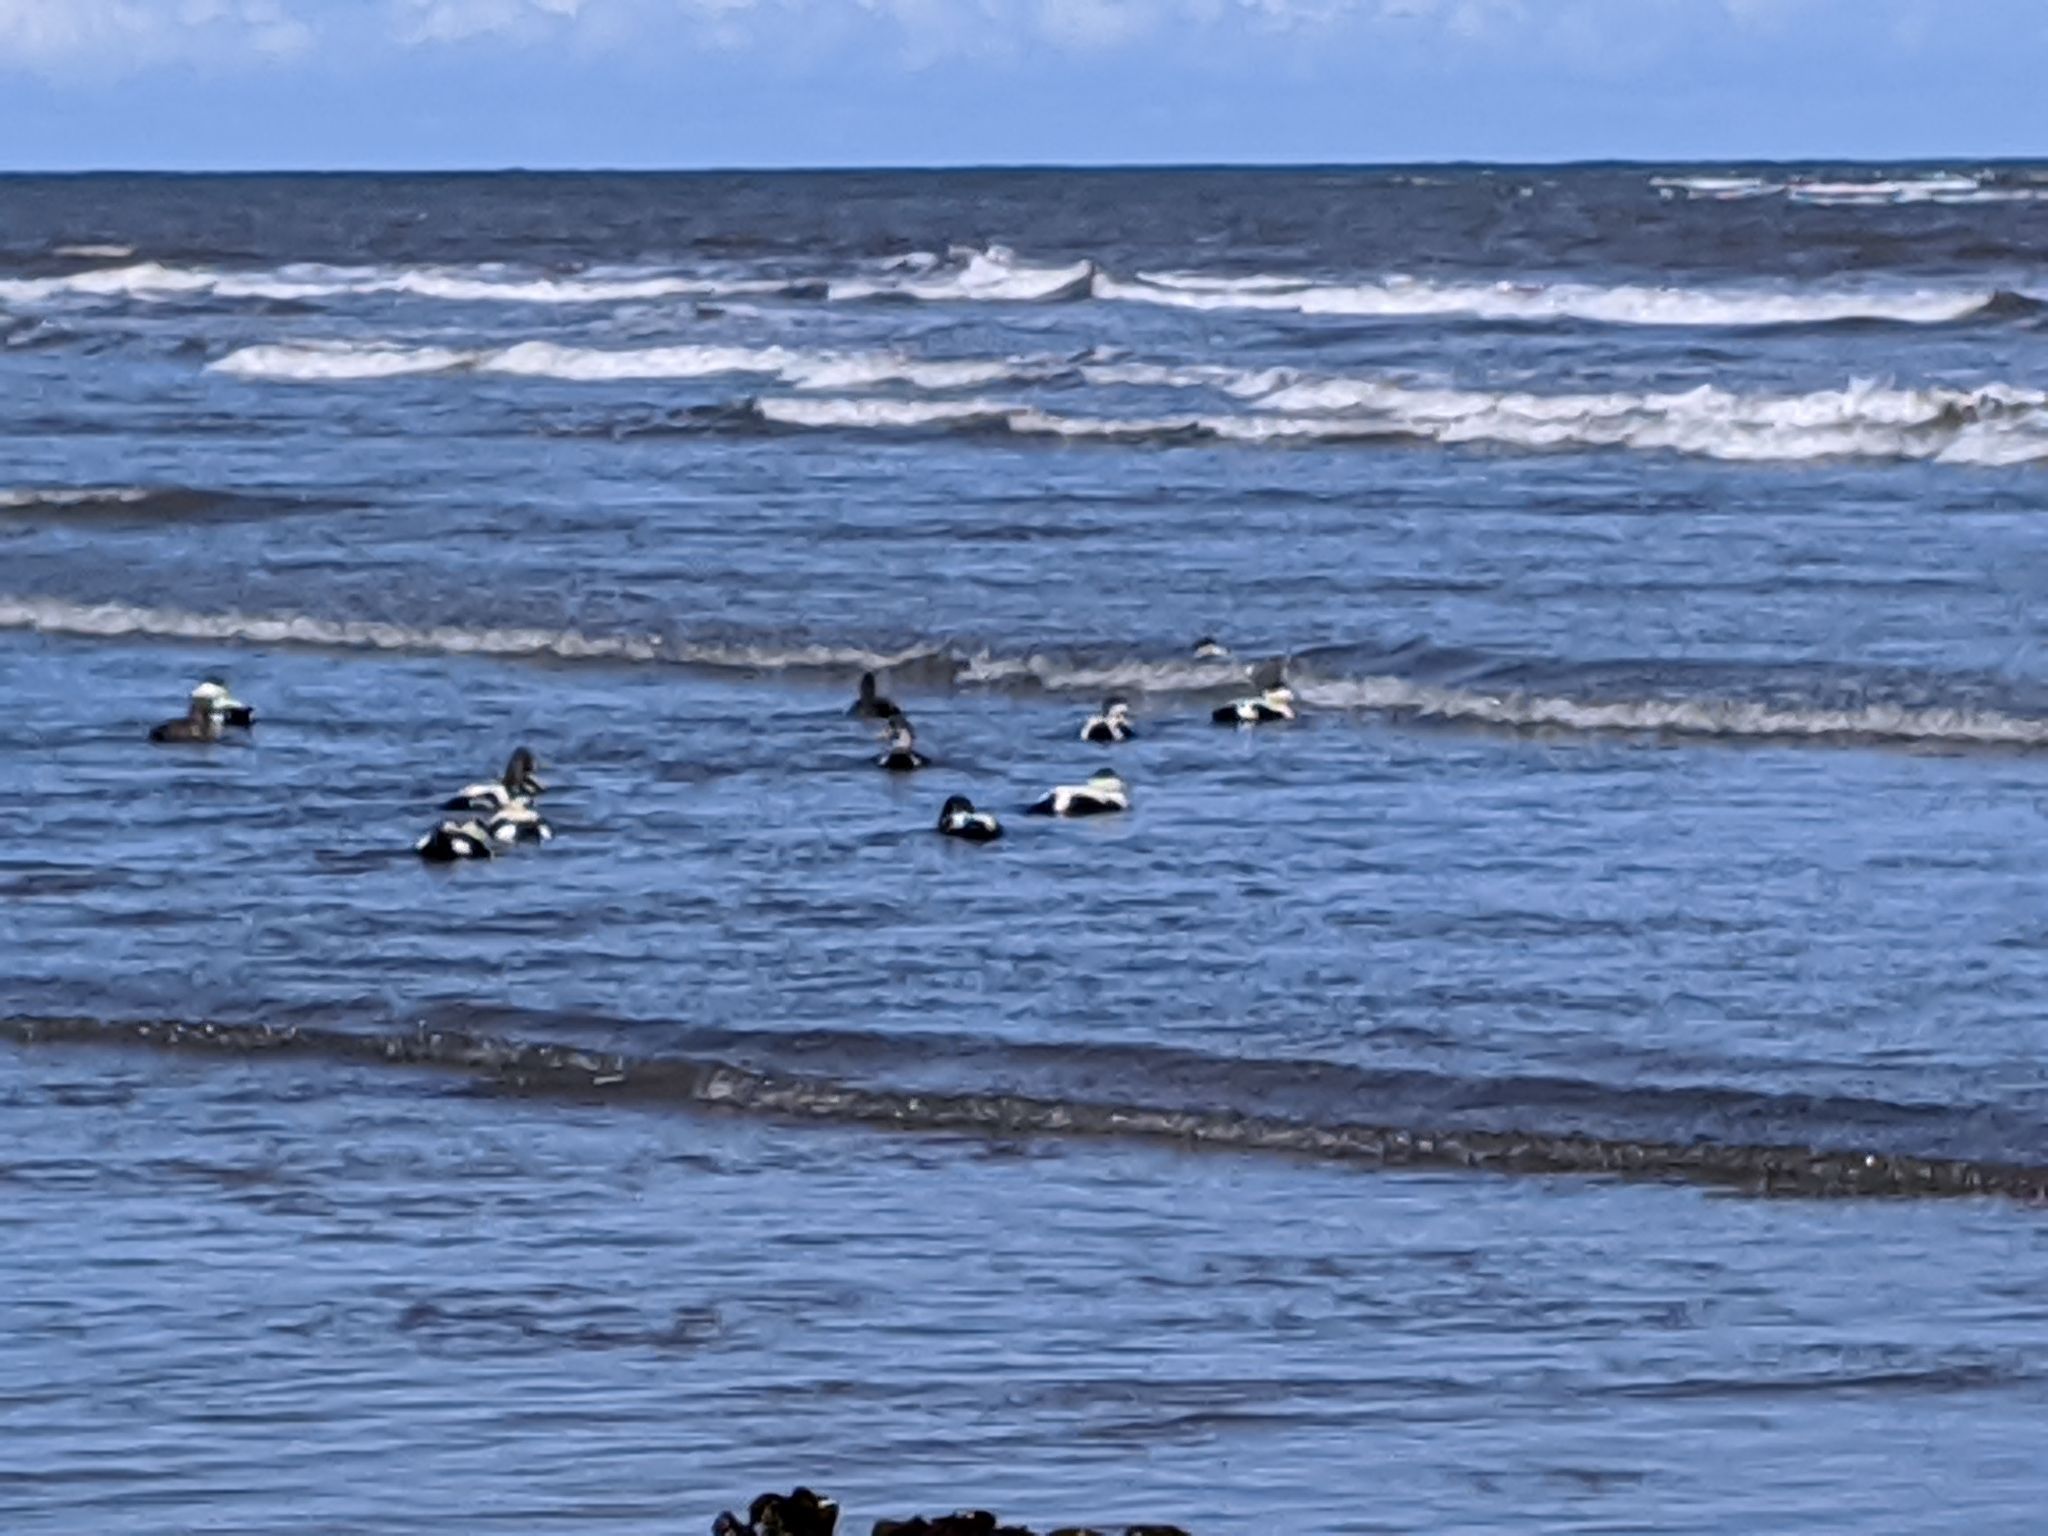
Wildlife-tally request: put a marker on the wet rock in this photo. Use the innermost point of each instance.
(799, 1512)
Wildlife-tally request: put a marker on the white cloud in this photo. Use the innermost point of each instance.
(109, 36)
(454, 21)
(114, 35)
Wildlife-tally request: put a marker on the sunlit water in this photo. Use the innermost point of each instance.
(1657, 562)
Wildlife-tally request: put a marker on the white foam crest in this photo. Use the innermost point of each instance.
(18, 497)
(153, 281)
(1690, 717)
(316, 362)
(319, 362)
(1626, 304)
(887, 415)
(94, 251)
(120, 620)
(1995, 424)
(1105, 677)
(995, 275)
(1861, 420)
(1723, 189)
(546, 359)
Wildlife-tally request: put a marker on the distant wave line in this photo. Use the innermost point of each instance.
(941, 664)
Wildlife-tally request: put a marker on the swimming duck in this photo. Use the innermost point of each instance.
(1112, 725)
(229, 709)
(872, 705)
(199, 723)
(1209, 648)
(958, 818)
(455, 840)
(1275, 703)
(1102, 794)
(519, 783)
(902, 756)
(518, 822)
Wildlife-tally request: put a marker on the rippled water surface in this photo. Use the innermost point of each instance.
(1656, 557)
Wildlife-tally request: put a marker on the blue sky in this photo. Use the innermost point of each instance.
(190, 84)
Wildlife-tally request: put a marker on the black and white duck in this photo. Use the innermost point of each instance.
(1104, 794)
(1111, 726)
(958, 818)
(454, 841)
(902, 755)
(519, 783)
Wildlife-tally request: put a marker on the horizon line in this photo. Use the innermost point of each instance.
(1038, 167)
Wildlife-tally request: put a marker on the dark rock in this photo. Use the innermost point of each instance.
(797, 1513)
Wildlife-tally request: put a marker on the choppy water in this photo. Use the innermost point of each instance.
(1657, 553)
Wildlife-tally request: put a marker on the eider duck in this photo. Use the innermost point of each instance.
(518, 822)
(958, 818)
(1112, 725)
(1209, 648)
(902, 755)
(198, 723)
(519, 783)
(229, 709)
(1275, 703)
(1103, 794)
(455, 840)
(872, 705)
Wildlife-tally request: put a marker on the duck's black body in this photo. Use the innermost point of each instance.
(1260, 709)
(1105, 794)
(902, 755)
(198, 723)
(960, 819)
(518, 822)
(454, 842)
(1111, 726)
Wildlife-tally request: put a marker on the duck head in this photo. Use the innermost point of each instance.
(956, 805)
(521, 780)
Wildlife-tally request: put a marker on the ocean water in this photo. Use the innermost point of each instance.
(1597, 1046)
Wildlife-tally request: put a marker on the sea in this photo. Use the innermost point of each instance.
(1587, 1073)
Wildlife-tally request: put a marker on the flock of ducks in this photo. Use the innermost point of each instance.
(1104, 793)
(500, 813)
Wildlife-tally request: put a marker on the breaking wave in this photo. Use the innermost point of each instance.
(1627, 304)
(1991, 426)
(1775, 1168)
(999, 276)
(139, 503)
(1942, 188)
(326, 362)
(948, 665)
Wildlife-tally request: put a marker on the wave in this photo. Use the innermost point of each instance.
(94, 251)
(326, 362)
(137, 503)
(1990, 426)
(1628, 304)
(944, 664)
(559, 1070)
(1941, 188)
(154, 282)
(998, 276)
(123, 621)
